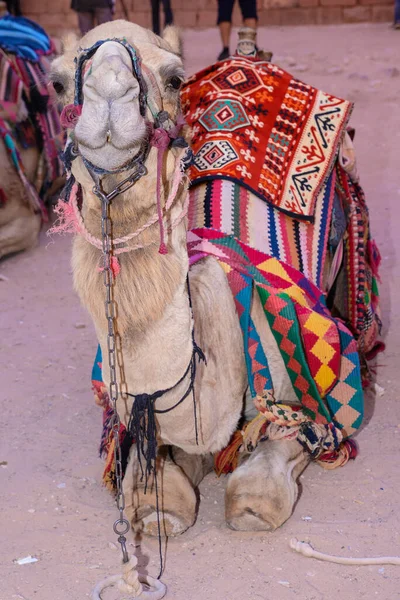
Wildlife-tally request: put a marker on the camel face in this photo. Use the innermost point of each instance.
(113, 127)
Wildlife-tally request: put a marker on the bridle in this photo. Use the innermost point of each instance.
(84, 56)
(162, 134)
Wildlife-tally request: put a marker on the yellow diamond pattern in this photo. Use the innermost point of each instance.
(324, 378)
(318, 324)
(323, 351)
(274, 266)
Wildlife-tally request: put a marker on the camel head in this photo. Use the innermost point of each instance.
(116, 84)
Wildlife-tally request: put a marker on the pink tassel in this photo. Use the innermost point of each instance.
(70, 115)
(66, 217)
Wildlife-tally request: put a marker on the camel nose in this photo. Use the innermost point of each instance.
(110, 75)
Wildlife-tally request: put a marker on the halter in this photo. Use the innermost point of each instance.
(162, 133)
(87, 53)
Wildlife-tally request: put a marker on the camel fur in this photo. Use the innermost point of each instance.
(19, 225)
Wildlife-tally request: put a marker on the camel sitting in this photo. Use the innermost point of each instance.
(30, 134)
(120, 86)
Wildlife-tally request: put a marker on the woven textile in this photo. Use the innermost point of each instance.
(224, 205)
(361, 260)
(44, 113)
(255, 124)
(316, 355)
(24, 38)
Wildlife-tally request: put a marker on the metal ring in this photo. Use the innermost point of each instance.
(119, 523)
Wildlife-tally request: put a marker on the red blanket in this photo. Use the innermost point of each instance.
(255, 124)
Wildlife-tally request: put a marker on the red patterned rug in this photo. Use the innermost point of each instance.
(255, 124)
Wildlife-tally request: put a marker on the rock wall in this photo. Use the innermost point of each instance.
(57, 17)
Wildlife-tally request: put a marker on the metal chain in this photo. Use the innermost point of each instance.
(121, 525)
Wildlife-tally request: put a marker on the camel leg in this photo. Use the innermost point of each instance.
(195, 466)
(176, 494)
(262, 491)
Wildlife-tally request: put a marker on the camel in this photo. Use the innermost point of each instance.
(156, 318)
(22, 211)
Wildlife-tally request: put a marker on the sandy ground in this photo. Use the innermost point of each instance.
(53, 506)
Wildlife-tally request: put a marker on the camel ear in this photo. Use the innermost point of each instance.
(172, 36)
(69, 42)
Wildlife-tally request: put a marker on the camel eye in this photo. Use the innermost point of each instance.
(58, 87)
(175, 82)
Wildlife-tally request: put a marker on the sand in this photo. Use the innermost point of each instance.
(52, 503)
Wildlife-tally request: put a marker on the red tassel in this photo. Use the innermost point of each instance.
(114, 265)
(163, 248)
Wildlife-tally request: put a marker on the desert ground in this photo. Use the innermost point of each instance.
(52, 503)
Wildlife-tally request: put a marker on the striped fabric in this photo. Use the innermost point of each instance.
(225, 206)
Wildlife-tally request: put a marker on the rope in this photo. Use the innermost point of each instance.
(97, 243)
(133, 583)
(160, 140)
(307, 550)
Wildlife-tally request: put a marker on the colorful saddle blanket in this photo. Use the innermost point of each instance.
(256, 125)
(317, 280)
(28, 117)
(270, 201)
(24, 38)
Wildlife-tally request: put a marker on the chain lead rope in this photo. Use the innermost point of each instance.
(121, 525)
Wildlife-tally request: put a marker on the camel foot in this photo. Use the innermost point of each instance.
(177, 500)
(262, 491)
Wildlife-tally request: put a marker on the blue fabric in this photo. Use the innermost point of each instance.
(96, 371)
(23, 37)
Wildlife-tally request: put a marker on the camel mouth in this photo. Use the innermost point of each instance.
(111, 146)
(110, 158)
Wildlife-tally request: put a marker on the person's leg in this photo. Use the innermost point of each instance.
(397, 14)
(169, 17)
(250, 23)
(225, 8)
(86, 21)
(103, 15)
(249, 13)
(155, 15)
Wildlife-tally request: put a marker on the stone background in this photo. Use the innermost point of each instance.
(56, 16)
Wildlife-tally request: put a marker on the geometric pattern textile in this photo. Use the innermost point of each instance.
(318, 351)
(224, 205)
(282, 135)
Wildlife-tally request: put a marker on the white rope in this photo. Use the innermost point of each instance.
(307, 550)
(133, 583)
